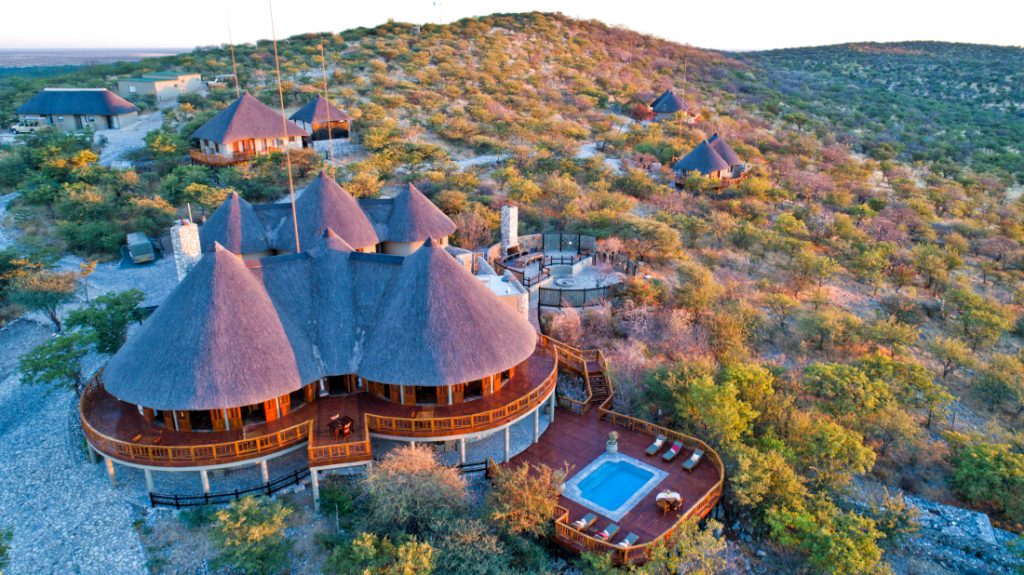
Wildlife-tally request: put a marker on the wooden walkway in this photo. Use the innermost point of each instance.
(577, 440)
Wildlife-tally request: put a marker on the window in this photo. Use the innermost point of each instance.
(131, 89)
(60, 118)
(425, 395)
(92, 119)
(473, 390)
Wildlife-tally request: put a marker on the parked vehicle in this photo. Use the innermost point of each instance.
(27, 126)
(140, 248)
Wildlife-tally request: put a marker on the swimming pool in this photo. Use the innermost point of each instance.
(613, 484)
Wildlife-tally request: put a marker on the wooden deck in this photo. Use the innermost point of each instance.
(118, 429)
(577, 440)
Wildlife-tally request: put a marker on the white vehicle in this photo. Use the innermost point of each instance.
(26, 126)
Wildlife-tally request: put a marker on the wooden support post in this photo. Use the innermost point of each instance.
(264, 472)
(314, 481)
(110, 471)
(536, 424)
(205, 478)
(508, 445)
(462, 450)
(149, 481)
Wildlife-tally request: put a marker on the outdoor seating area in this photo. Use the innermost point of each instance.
(577, 440)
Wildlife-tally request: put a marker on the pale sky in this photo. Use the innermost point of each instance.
(744, 25)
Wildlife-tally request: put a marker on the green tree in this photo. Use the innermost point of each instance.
(982, 319)
(846, 389)
(830, 453)
(951, 353)
(6, 536)
(524, 498)
(58, 362)
(370, 554)
(1002, 381)
(988, 474)
(45, 291)
(889, 333)
(250, 536)
(689, 549)
(712, 410)
(835, 541)
(107, 317)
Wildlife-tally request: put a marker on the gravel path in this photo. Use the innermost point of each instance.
(65, 516)
(125, 139)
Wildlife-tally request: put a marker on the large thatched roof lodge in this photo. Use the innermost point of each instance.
(714, 159)
(364, 330)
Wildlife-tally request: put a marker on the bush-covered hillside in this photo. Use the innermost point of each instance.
(933, 101)
(834, 321)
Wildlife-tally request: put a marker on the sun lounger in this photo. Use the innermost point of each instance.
(658, 442)
(608, 533)
(584, 522)
(694, 460)
(629, 540)
(673, 451)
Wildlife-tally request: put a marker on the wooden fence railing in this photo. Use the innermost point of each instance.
(187, 455)
(458, 425)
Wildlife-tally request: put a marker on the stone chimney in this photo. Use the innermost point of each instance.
(185, 240)
(509, 228)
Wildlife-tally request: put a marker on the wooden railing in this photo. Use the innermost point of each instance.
(187, 455)
(338, 453)
(576, 360)
(222, 159)
(634, 553)
(462, 424)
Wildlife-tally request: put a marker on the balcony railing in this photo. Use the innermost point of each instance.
(202, 157)
(186, 455)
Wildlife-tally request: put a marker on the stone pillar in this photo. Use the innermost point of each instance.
(110, 471)
(264, 472)
(509, 228)
(462, 450)
(187, 251)
(536, 424)
(552, 407)
(205, 479)
(149, 481)
(451, 395)
(314, 482)
(93, 457)
(508, 445)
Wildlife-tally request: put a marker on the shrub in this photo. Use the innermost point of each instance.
(524, 497)
(196, 517)
(250, 536)
(410, 491)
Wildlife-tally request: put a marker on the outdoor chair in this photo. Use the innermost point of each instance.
(691, 463)
(584, 522)
(608, 533)
(629, 540)
(658, 442)
(673, 451)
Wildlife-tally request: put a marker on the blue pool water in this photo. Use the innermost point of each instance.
(613, 483)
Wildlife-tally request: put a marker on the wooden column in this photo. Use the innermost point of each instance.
(308, 392)
(285, 402)
(148, 414)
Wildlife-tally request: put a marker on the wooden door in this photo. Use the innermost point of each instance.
(458, 391)
(235, 417)
(217, 417)
(270, 409)
(285, 401)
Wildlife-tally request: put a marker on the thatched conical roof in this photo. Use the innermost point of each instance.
(667, 103)
(318, 111)
(724, 150)
(235, 226)
(703, 159)
(216, 342)
(323, 205)
(245, 118)
(440, 326)
(415, 218)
